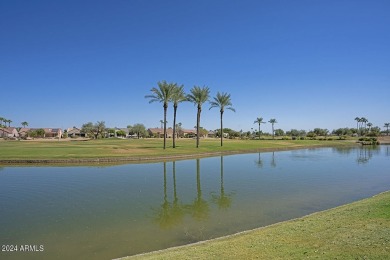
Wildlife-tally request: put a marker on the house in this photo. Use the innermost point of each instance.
(23, 132)
(53, 132)
(49, 132)
(188, 133)
(75, 132)
(211, 134)
(159, 132)
(8, 132)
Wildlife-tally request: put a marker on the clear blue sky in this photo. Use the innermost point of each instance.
(306, 63)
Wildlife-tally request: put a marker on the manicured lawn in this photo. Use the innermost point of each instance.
(142, 148)
(360, 230)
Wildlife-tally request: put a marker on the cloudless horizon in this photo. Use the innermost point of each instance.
(305, 63)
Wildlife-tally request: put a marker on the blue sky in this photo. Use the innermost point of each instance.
(306, 63)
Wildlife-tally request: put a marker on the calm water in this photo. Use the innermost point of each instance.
(109, 212)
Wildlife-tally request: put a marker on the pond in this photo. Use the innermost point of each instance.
(114, 211)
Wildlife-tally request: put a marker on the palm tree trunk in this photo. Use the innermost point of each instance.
(221, 129)
(259, 131)
(273, 132)
(174, 126)
(165, 124)
(197, 126)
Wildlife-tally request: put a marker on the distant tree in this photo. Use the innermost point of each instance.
(88, 129)
(40, 132)
(162, 94)
(369, 126)
(100, 127)
(364, 121)
(9, 121)
(273, 121)
(279, 132)
(32, 133)
(311, 134)
(222, 101)
(139, 129)
(293, 132)
(24, 124)
(120, 133)
(357, 119)
(178, 96)
(198, 96)
(259, 121)
(1, 121)
(321, 131)
(387, 125)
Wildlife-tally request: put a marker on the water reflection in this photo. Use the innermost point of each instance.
(273, 163)
(363, 155)
(171, 213)
(224, 200)
(259, 162)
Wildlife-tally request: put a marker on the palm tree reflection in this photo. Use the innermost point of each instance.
(259, 162)
(273, 163)
(365, 153)
(223, 201)
(169, 214)
(199, 208)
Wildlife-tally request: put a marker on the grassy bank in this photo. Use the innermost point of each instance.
(142, 149)
(360, 230)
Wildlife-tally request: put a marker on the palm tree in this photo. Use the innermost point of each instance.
(387, 125)
(24, 124)
(364, 121)
(369, 126)
(178, 96)
(273, 121)
(1, 120)
(259, 121)
(9, 121)
(222, 101)
(357, 124)
(198, 96)
(162, 94)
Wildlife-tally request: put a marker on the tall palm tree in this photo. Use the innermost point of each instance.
(259, 121)
(162, 94)
(364, 121)
(24, 124)
(357, 124)
(369, 126)
(9, 121)
(178, 96)
(387, 125)
(198, 96)
(273, 121)
(1, 121)
(222, 101)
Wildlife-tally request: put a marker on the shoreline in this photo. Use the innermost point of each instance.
(148, 159)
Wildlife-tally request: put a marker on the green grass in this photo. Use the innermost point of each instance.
(142, 148)
(360, 230)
